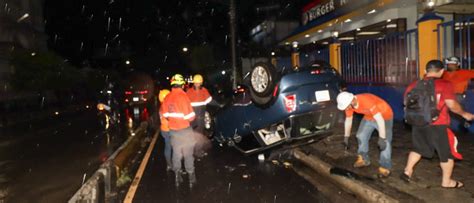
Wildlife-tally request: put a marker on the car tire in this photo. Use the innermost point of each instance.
(263, 79)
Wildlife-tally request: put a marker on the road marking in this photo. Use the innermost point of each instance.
(138, 176)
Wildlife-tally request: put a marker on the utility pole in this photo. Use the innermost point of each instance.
(232, 17)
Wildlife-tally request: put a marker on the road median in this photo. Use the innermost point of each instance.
(360, 189)
(330, 160)
(112, 175)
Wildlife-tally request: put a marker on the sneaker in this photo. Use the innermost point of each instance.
(383, 172)
(178, 179)
(192, 179)
(360, 162)
(169, 168)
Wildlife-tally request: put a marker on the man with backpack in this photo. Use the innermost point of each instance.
(377, 115)
(427, 102)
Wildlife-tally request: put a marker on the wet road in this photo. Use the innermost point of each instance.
(225, 176)
(47, 161)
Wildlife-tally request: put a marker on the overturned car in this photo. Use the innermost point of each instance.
(278, 107)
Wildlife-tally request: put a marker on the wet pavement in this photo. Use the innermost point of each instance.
(427, 175)
(226, 175)
(47, 160)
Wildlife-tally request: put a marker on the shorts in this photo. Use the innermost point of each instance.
(427, 140)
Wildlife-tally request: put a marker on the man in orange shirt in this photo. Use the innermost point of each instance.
(199, 97)
(458, 77)
(177, 110)
(377, 115)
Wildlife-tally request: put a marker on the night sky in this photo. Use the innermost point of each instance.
(151, 33)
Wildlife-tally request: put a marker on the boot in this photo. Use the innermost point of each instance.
(383, 172)
(360, 162)
(178, 179)
(192, 179)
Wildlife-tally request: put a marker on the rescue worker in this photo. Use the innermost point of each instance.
(458, 77)
(377, 115)
(176, 108)
(165, 130)
(437, 136)
(199, 97)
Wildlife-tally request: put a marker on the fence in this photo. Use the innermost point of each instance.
(392, 59)
(456, 39)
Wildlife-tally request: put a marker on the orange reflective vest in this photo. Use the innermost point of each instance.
(176, 108)
(164, 121)
(199, 97)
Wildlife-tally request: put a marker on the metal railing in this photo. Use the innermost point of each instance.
(392, 59)
(456, 38)
(102, 185)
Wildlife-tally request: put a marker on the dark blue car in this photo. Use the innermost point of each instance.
(279, 106)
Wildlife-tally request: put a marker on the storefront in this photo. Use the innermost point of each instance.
(380, 46)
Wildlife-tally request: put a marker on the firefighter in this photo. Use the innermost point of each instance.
(177, 109)
(165, 130)
(199, 97)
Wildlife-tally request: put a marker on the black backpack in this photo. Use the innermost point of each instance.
(420, 104)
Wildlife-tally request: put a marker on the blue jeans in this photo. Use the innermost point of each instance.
(364, 133)
(166, 137)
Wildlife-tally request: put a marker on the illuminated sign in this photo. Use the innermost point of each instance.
(320, 8)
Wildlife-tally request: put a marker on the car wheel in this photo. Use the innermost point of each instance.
(263, 79)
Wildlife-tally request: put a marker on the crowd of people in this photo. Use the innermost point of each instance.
(428, 104)
(444, 86)
(182, 125)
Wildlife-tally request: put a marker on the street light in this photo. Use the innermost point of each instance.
(273, 53)
(223, 72)
(295, 44)
(127, 62)
(185, 49)
(431, 3)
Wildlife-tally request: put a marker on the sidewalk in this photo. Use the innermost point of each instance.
(330, 153)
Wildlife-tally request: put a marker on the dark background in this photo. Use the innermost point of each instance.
(152, 33)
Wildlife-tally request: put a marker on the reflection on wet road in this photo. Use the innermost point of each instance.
(225, 176)
(48, 161)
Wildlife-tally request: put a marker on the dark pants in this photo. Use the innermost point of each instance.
(198, 123)
(182, 142)
(168, 150)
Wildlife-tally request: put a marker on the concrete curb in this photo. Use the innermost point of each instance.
(360, 189)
